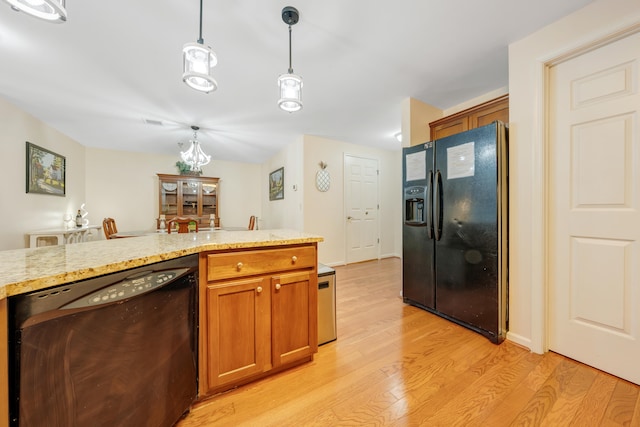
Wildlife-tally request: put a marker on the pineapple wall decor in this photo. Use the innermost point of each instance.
(323, 179)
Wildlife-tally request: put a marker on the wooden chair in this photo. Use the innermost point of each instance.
(252, 223)
(109, 227)
(182, 223)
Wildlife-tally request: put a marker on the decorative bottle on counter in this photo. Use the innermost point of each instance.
(78, 219)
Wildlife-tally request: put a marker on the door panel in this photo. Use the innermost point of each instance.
(418, 274)
(594, 222)
(467, 254)
(294, 321)
(238, 321)
(361, 201)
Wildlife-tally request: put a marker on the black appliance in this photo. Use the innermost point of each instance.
(455, 228)
(117, 350)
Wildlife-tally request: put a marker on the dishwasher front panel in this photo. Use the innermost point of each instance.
(131, 362)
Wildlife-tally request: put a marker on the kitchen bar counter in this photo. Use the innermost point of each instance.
(26, 270)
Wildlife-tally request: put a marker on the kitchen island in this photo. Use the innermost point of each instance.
(265, 257)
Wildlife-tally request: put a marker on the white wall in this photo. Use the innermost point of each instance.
(324, 211)
(527, 58)
(287, 212)
(119, 184)
(23, 211)
(124, 185)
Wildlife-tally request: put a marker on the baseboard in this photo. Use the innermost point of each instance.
(520, 340)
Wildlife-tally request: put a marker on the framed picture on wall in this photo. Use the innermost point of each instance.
(276, 184)
(45, 171)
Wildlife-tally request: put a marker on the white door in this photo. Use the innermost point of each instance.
(594, 219)
(361, 205)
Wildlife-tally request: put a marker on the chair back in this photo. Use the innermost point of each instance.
(109, 227)
(252, 223)
(182, 223)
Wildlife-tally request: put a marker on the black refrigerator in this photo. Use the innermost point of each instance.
(455, 228)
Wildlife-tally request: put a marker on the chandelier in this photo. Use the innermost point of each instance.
(49, 10)
(198, 61)
(290, 84)
(194, 156)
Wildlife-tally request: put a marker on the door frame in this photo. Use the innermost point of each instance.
(539, 160)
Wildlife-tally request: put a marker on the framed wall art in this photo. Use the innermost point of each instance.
(45, 171)
(276, 184)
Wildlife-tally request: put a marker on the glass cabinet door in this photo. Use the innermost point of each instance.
(169, 199)
(209, 199)
(190, 196)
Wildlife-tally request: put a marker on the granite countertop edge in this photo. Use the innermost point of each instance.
(27, 270)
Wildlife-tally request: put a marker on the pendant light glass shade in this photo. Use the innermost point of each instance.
(49, 10)
(290, 84)
(194, 156)
(290, 92)
(198, 61)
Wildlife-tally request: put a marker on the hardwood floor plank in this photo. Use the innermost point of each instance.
(570, 400)
(594, 404)
(544, 399)
(397, 365)
(622, 404)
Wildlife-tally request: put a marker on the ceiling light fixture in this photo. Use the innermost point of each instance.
(49, 10)
(198, 61)
(290, 84)
(398, 136)
(194, 156)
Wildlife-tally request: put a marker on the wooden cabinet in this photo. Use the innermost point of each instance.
(258, 314)
(480, 115)
(192, 196)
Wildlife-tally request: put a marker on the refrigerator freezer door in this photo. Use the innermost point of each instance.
(417, 246)
(467, 254)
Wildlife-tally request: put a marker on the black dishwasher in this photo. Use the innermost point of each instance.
(116, 350)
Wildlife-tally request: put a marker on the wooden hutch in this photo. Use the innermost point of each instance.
(186, 195)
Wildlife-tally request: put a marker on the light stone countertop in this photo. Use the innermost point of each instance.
(26, 270)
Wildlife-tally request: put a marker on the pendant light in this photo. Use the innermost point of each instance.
(198, 61)
(49, 10)
(290, 84)
(194, 156)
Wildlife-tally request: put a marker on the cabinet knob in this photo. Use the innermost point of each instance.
(278, 286)
(259, 289)
(294, 259)
(239, 266)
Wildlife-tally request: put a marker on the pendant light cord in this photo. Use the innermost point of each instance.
(290, 67)
(201, 40)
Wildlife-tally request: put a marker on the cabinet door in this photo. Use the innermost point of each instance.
(237, 332)
(442, 130)
(489, 115)
(190, 198)
(294, 317)
(209, 199)
(169, 198)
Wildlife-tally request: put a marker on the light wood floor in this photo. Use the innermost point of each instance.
(396, 365)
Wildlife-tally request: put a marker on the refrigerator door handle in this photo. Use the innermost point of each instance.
(438, 206)
(430, 206)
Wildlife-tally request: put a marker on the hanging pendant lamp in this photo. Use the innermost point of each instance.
(198, 61)
(49, 10)
(290, 84)
(194, 156)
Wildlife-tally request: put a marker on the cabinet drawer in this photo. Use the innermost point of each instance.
(238, 264)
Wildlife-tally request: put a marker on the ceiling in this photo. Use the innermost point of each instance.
(115, 66)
